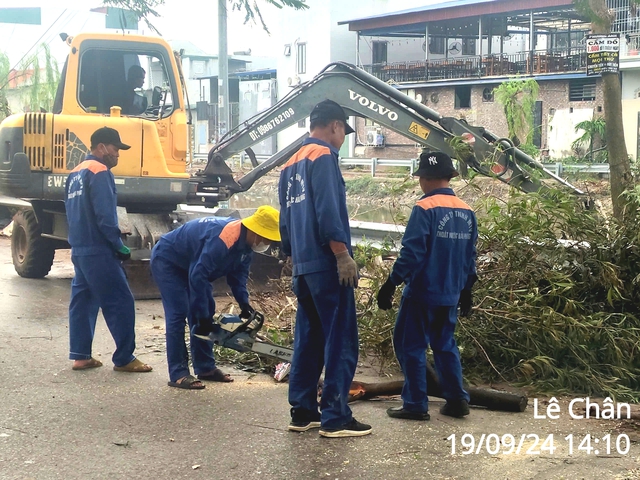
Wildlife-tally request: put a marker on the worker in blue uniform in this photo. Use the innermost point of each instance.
(97, 252)
(437, 263)
(184, 262)
(314, 225)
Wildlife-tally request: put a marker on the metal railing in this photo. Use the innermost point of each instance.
(474, 66)
(373, 163)
(560, 168)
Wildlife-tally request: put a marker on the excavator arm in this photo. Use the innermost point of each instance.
(363, 95)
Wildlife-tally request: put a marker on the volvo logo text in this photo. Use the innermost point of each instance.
(365, 102)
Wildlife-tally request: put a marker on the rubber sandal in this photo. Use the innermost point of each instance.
(136, 366)
(92, 363)
(187, 383)
(216, 376)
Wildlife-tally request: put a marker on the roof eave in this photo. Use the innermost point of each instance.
(495, 7)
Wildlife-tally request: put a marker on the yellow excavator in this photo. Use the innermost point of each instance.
(38, 150)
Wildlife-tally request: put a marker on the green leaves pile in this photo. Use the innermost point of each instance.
(557, 301)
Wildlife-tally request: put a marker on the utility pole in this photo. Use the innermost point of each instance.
(223, 71)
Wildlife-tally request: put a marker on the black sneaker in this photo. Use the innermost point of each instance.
(303, 420)
(352, 429)
(400, 412)
(455, 408)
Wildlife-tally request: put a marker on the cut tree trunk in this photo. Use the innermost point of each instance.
(480, 397)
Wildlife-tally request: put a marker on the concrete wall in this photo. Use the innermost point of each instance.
(630, 111)
(561, 130)
(631, 84)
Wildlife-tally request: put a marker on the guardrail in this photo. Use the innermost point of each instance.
(241, 159)
(371, 233)
(560, 168)
(373, 163)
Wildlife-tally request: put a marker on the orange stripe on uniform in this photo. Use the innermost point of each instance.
(442, 201)
(231, 233)
(311, 151)
(91, 165)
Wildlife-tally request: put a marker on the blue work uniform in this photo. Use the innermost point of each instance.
(99, 280)
(437, 261)
(313, 211)
(184, 262)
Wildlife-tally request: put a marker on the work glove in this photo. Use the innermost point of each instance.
(246, 311)
(347, 269)
(385, 295)
(465, 303)
(203, 328)
(123, 253)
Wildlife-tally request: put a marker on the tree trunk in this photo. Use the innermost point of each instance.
(620, 176)
(481, 397)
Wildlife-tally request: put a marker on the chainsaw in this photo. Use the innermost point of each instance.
(231, 331)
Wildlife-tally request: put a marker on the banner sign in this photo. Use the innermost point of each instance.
(26, 16)
(603, 53)
(121, 19)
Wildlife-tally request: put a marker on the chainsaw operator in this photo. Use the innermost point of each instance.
(437, 264)
(97, 252)
(315, 233)
(184, 262)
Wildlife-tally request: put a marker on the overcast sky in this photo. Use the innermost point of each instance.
(198, 23)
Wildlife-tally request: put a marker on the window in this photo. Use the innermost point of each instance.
(301, 66)
(582, 90)
(379, 51)
(111, 77)
(468, 46)
(198, 67)
(463, 97)
(436, 45)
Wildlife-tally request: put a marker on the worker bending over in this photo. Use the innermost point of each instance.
(184, 262)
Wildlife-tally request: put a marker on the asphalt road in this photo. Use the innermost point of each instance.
(100, 424)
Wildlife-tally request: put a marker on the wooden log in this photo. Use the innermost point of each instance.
(481, 397)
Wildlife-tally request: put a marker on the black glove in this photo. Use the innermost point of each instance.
(123, 254)
(465, 303)
(385, 295)
(204, 327)
(247, 311)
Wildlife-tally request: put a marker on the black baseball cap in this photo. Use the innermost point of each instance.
(435, 165)
(328, 110)
(108, 136)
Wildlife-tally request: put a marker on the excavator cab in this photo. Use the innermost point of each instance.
(132, 83)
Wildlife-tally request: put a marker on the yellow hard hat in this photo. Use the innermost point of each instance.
(264, 222)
